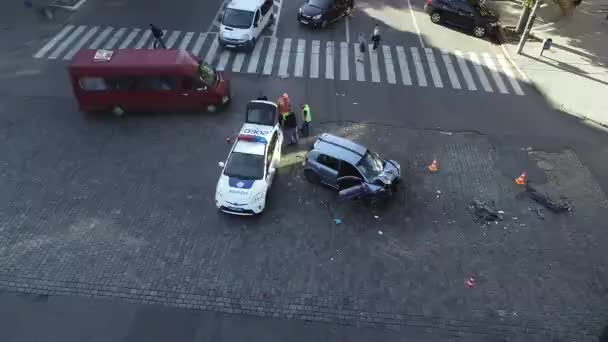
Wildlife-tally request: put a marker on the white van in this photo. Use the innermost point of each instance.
(243, 22)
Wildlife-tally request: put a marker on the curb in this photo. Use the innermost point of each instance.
(507, 54)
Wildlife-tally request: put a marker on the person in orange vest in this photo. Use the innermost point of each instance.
(284, 105)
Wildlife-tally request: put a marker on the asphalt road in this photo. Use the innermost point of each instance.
(123, 208)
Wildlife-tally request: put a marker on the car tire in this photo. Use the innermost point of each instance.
(311, 177)
(324, 23)
(118, 111)
(271, 20)
(436, 17)
(479, 31)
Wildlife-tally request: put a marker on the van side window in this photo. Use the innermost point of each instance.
(266, 6)
(92, 84)
(121, 83)
(256, 19)
(328, 161)
(346, 169)
(156, 83)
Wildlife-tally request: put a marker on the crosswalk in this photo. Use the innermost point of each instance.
(314, 59)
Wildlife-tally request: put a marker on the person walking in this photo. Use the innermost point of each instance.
(306, 119)
(158, 37)
(290, 128)
(362, 44)
(376, 37)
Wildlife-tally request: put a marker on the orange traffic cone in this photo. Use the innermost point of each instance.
(470, 283)
(433, 166)
(521, 180)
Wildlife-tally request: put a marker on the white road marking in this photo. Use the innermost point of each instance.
(468, 78)
(479, 70)
(237, 65)
(329, 60)
(102, 36)
(277, 16)
(51, 43)
(347, 27)
(388, 63)
(184, 43)
(409, 4)
(419, 69)
(129, 38)
(403, 67)
(299, 69)
(172, 39)
(198, 44)
(284, 62)
(450, 68)
(272, 48)
(210, 56)
(151, 44)
(314, 59)
(506, 68)
(494, 72)
(224, 57)
(373, 61)
(115, 38)
(143, 40)
(75, 34)
(344, 61)
(87, 36)
(433, 67)
(359, 70)
(255, 57)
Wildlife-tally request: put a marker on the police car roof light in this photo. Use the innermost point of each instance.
(252, 138)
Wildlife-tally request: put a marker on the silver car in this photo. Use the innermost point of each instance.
(351, 168)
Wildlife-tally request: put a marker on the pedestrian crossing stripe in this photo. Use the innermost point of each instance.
(300, 58)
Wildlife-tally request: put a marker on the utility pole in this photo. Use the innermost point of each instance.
(524, 36)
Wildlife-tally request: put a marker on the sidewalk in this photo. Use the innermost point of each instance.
(573, 75)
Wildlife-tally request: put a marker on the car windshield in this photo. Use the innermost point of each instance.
(245, 166)
(371, 165)
(207, 73)
(237, 18)
(320, 3)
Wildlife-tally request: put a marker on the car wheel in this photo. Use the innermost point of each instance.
(118, 111)
(271, 19)
(479, 31)
(324, 23)
(311, 177)
(211, 108)
(252, 44)
(436, 17)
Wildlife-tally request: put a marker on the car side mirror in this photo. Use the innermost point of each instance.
(221, 164)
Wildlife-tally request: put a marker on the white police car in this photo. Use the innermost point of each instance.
(249, 170)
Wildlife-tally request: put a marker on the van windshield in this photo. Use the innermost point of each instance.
(207, 73)
(237, 18)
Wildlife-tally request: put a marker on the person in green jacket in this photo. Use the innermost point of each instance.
(306, 119)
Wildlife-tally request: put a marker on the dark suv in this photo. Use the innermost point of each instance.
(322, 12)
(468, 14)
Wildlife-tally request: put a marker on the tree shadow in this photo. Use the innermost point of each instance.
(565, 67)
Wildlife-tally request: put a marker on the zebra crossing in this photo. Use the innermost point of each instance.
(314, 59)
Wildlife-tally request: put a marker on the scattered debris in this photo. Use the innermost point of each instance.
(539, 212)
(380, 232)
(446, 133)
(376, 217)
(355, 102)
(337, 221)
(501, 212)
(543, 198)
(332, 259)
(470, 282)
(228, 140)
(526, 148)
(485, 211)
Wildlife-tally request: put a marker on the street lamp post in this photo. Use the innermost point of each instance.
(526, 33)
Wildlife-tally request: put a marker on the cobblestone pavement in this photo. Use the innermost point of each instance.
(124, 209)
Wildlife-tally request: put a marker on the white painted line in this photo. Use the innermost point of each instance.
(129, 39)
(468, 78)
(329, 60)
(143, 40)
(314, 59)
(277, 16)
(284, 62)
(102, 36)
(347, 27)
(506, 68)
(494, 72)
(237, 65)
(184, 43)
(151, 44)
(255, 56)
(272, 48)
(51, 43)
(419, 69)
(359, 70)
(87, 36)
(75, 34)
(114, 39)
(409, 4)
(172, 39)
(479, 70)
(210, 56)
(373, 61)
(388, 63)
(403, 67)
(344, 61)
(299, 68)
(430, 57)
(198, 44)
(224, 57)
(450, 68)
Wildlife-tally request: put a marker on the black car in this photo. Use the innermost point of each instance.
(467, 14)
(322, 12)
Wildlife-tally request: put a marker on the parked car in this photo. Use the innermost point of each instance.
(349, 167)
(470, 15)
(243, 22)
(320, 13)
